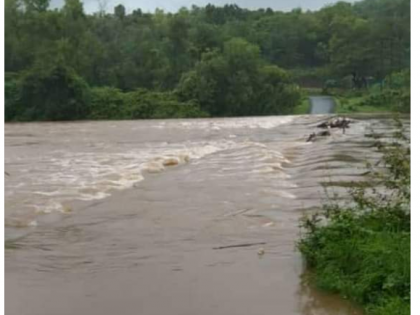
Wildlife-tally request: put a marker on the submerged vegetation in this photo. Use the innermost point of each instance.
(362, 250)
(65, 64)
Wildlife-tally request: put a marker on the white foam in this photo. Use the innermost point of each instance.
(92, 168)
(33, 223)
(266, 122)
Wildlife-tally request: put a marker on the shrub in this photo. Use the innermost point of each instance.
(53, 93)
(395, 99)
(11, 96)
(362, 251)
(146, 104)
(277, 95)
(235, 82)
(112, 103)
(398, 80)
(108, 103)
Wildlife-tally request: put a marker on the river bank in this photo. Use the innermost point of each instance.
(362, 249)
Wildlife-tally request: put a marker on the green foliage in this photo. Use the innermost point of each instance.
(12, 96)
(53, 93)
(303, 107)
(219, 57)
(398, 100)
(36, 5)
(277, 95)
(119, 11)
(73, 9)
(393, 94)
(235, 82)
(146, 104)
(111, 103)
(310, 77)
(108, 103)
(362, 251)
(399, 80)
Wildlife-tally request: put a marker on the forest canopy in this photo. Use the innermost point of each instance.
(64, 64)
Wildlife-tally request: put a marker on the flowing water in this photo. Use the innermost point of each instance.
(123, 217)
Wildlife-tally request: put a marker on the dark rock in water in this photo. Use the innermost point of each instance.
(313, 136)
(339, 122)
(323, 125)
(324, 133)
(336, 123)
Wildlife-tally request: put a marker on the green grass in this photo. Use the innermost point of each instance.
(362, 251)
(302, 108)
(356, 257)
(347, 105)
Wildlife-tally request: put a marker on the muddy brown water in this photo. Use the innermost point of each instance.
(122, 217)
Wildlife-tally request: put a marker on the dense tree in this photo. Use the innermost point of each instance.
(221, 57)
(37, 5)
(235, 82)
(54, 93)
(119, 11)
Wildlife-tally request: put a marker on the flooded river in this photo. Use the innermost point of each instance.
(123, 217)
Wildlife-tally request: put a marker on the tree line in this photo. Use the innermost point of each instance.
(66, 64)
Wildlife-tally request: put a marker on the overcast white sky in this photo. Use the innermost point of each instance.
(174, 5)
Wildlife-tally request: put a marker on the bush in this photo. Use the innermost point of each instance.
(112, 103)
(235, 82)
(362, 251)
(398, 80)
(108, 103)
(11, 96)
(53, 93)
(277, 95)
(146, 104)
(311, 77)
(394, 99)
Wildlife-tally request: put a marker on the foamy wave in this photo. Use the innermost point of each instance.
(20, 223)
(91, 176)
(49, 207)
(267, 122)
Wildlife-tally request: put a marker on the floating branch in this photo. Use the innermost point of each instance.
(240, 245)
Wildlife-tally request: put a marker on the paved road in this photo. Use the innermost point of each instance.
(321, 105)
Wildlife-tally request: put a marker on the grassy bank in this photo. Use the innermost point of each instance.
(344, 105)
(390, 95)
(373, 102)
(302, 108)
(347, 105)
(362, 250)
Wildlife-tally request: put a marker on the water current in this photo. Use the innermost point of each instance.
(123, 217)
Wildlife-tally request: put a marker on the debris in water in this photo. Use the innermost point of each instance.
(261, 252)
(240, 245)
(313, 136)
(66, 209)
(340, 122)
(170, 161)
